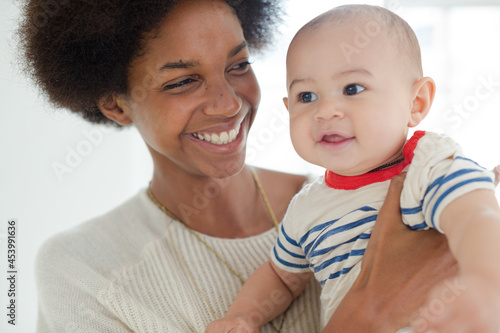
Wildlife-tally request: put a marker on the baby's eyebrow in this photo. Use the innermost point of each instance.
(297, 81)
(361, 71)
(355, 71)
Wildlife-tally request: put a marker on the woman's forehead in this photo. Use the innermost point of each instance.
(195, 32)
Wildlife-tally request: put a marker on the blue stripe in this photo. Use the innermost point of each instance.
(292, 254)
(316, 228)
(420, 226)
(343, 228)
(410, 211)
(289, 239)
(307, 248)
(453, 188)
(331, 261)
(286, 263)
(365, 236)
(444, 180)
(336, 275)
(322, 226)
(331, 248)
(469, 160)
(340, 258)
(433, 184)
(365, 209)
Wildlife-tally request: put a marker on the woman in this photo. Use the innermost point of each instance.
(173, 257)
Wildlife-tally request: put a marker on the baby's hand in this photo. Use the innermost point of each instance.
(231, 325)
(464, 304)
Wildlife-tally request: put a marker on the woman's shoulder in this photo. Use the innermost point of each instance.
(274, 177)
(115, 236)
(280, 188)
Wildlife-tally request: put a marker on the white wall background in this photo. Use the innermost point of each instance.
(461, 50)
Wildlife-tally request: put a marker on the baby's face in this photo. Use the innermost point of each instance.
(348, 97)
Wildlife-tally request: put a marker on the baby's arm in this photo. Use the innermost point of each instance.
(472, 302)
(266, 294)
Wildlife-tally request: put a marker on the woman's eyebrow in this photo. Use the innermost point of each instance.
(237, 49)
(178, 65)
(190, 64)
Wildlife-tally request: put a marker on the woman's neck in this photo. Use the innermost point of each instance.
(229, 207)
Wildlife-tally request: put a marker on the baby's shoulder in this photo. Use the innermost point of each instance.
(280, 188)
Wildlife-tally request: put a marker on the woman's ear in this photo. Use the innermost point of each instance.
(112, 107)
(423, 92)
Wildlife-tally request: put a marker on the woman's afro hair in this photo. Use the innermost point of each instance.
(79, 51)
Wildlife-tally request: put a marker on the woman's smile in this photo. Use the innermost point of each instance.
(220, 140)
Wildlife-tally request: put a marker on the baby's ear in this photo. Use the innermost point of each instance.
(113, 107)
(285, 101)
(423, 94)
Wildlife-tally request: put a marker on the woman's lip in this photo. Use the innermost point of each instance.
(221, 128)
(225, 148)
(218, 138)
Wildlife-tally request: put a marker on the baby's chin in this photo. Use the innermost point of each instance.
(349, 171)
(349, 174)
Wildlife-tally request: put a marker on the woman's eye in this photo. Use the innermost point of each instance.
(353, 89)
(307, 97)
(177, 84)
(241, 68)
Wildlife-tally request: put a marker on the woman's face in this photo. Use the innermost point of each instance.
(193, 95)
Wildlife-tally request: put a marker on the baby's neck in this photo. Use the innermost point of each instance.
(389, 164)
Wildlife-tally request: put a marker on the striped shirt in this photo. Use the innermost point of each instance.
(328, 224)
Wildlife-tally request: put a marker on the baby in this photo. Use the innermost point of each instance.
(355, 86)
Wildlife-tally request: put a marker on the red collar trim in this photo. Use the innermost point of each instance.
(351, 183)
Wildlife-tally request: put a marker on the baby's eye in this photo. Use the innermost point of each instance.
(353, 89)
(307, 97)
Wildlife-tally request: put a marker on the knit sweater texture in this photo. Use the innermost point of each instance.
(122, 272)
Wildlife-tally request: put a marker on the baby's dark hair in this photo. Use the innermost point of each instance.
(79, 51)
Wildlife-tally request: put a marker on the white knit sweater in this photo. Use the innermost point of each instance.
(120, 273)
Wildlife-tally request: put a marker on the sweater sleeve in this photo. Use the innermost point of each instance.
(438, 174)
(68, 288)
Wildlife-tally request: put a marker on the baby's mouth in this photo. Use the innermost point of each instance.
(220, 138)
(334, 138)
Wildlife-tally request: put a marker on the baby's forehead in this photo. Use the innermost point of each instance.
(365, 19)
(356, 33)
(356, 28)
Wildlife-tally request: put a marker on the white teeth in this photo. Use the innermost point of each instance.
(232, 134)
(221, 138)
(224, 137)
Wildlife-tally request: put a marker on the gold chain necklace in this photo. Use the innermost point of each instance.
(211, 249)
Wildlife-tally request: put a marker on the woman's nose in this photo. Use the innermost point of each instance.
(222, 99)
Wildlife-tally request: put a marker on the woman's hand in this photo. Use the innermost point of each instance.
(467, 303)
(399, 269)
